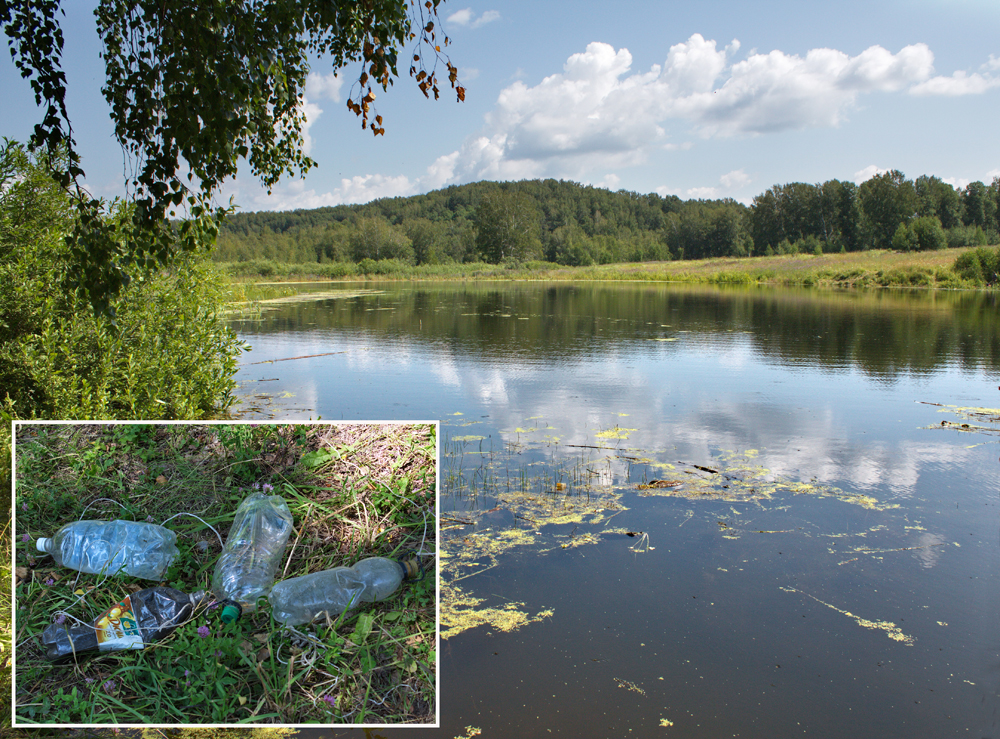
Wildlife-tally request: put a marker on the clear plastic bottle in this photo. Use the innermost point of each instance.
(254, 547)
(113, 547)
(135, 622)
(299, 600)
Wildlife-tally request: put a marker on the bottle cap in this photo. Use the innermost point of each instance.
(230, 611)
(412, 568)
(42, 545)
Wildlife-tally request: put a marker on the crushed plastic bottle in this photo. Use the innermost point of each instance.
(254, 547)
(299, 600)
(135, 622)
(113, 547)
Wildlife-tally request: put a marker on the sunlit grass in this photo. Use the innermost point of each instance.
(876, 268)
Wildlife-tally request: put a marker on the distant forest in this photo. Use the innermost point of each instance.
(572, 224)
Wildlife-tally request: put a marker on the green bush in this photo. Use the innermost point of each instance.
(920, 234)
(168, 353)
(382, 267)
(966, 236)
(980, 266)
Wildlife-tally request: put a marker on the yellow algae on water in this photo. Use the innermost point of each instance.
(467, 438)
(615, 433)
(891, 629)
(666, 722)
(461, 611)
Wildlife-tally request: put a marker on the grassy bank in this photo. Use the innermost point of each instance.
(876, 268)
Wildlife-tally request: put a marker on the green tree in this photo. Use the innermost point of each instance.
(980, 207)
(426, 237)
(195, 90)
(886, 200)
(920, 234)
(937, 198)
(507, 226)
(375, 238)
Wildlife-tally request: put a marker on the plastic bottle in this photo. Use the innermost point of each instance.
(254, 547)
(135, 622)
(299, 600)
(113, 547)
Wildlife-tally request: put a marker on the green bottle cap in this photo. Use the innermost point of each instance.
(230, 612)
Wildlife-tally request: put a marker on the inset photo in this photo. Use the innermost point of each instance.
(212, 574)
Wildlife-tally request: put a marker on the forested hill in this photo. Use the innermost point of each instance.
(569, 223)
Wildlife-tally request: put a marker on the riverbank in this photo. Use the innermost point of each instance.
(876, 268)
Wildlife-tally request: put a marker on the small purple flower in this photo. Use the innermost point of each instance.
(61, 619)
(149, 519)
(267, 488)
(330, 699)
(24, 507)
(218, 652)
(256, 486)
(26, 537)
(50, 581)
(90, 679)
(187, 673)
(109, 686)
(203, 631)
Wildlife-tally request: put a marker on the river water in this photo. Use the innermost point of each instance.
(684, 510)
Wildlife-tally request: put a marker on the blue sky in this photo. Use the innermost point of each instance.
(708, 99)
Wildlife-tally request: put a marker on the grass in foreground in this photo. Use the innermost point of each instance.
(355, 490)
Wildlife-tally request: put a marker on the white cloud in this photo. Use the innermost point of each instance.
(735, 179)
(610, 181)
(863, 175)
(311, 112)
(730, 181)
(959, 83)
(293, 195)
(488, 17)
(958, 183)
(460, 17)
(318, 87)
(600, 115)
(323, 86)
(465, 17)
(702, 193)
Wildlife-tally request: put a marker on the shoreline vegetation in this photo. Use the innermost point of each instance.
(959, 268)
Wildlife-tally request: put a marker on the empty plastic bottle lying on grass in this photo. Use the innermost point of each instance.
(135, 622)
(113, 547)
(299, 600)
(254, 547)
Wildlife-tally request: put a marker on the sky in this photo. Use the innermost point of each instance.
(709, 99)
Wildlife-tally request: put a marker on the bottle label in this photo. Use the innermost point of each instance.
(118, 628)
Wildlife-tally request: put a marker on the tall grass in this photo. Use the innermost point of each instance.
(931, 269)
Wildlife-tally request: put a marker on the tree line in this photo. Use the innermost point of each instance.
(573, 224)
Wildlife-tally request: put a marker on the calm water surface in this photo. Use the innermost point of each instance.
(824, 561)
